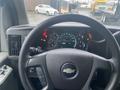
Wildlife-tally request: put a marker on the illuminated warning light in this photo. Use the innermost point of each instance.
(44, 34)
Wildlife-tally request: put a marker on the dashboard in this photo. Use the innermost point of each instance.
(78, 37)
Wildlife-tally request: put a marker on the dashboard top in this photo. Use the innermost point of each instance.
(27, 27)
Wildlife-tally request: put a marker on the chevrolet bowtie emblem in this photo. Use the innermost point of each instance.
(69, 70)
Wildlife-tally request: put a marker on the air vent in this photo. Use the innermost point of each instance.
(14, 44)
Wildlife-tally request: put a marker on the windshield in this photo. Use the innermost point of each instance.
(105, 11)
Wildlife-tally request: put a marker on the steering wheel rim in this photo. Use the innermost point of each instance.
(100, 28)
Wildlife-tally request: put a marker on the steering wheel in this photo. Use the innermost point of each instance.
(68, 69)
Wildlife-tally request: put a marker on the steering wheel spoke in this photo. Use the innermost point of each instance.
(36, 68)
(36, 61)
(33, 64)
(99, 63)
(102, 63)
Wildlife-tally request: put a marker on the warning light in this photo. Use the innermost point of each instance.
(44, 34)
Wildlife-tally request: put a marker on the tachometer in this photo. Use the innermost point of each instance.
(52, 41)
(67, 40)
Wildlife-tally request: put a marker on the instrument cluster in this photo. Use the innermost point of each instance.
(65, 39)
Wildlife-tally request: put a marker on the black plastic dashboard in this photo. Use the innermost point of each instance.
(61, 36)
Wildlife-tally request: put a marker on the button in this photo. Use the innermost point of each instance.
(31, 70)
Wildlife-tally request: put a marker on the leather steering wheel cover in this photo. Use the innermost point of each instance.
(100, 28)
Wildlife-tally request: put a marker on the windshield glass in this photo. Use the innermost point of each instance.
(106, 11)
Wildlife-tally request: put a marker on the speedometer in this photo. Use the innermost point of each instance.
(67, 40)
